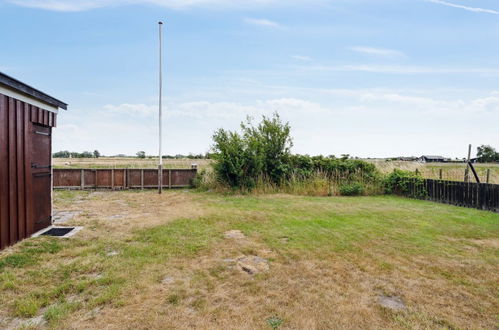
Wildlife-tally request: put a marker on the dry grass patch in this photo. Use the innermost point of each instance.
(167, 262)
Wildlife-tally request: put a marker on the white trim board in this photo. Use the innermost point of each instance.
(21, 97)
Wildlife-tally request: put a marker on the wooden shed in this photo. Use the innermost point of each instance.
(27, 117)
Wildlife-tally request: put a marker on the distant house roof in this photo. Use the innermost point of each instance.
(432, 157)
(21, 87)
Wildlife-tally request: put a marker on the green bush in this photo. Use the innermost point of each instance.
(335, 168)
(353, 189)
(237, 160)
(260, 155)
(399, 181)
(259, 151)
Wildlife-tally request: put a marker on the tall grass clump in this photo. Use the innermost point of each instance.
(258, 159)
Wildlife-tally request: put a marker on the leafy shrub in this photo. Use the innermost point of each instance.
(238, 161)
(399, 182)
(353, 189)
(335, 168)
(197, 181)
(260, 156)
(261, 150)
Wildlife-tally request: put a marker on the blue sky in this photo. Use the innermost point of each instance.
(370, 78)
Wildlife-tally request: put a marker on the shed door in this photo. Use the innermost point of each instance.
(41, 176)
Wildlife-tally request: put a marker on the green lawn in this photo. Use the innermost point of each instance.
(330, 259)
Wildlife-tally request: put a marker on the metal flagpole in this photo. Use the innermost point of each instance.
(160, 165)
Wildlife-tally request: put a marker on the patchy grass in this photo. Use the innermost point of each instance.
(330, 259)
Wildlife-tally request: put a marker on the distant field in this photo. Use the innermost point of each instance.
(450, 171)
(127, 162)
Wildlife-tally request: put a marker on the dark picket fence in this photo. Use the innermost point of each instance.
(481, 196)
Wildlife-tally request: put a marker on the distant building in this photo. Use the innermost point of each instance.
(432, 159)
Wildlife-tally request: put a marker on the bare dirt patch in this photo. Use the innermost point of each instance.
(135, 210)
(234, 234)
(491, 243)
(253, 264)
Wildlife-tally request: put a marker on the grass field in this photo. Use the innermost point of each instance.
(450, 171)
(148, 261)
(127, 162)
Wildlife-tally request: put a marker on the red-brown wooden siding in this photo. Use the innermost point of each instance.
(15, 168)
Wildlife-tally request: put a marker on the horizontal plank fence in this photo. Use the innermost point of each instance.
(117, 179)
(481, 196)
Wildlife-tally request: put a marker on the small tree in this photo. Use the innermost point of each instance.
(236, 164)
(141, 154)
(487, 154)
(86, 154)
(271, 142)
(96, 154)
(261, 150)
(62, 154)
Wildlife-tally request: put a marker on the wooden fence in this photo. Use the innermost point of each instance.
(482, 196)
(121, 178)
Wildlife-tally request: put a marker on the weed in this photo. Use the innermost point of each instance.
(59, 311)
(26, 307)
(274, 322)
(173, 299)
(353, 189)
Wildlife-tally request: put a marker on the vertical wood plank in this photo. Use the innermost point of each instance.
(30, 221)
(4, 182)
(21, 201)
(13, 237)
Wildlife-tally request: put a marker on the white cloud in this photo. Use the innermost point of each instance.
(301, 58)
(132, 109)
(420, 123)
(473, 9)
(261, 22)
(81, 5)
(404, 69)
(378, 51)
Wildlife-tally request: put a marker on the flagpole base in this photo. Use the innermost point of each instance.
(160, 179)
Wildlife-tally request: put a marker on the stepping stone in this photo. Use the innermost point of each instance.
(391, 302)
(167, 280)
(112, 253)
(253, 264)
(117, 216)
(234, 234)
(64, 216)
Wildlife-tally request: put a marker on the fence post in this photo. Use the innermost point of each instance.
(170, 178)
(467, 171)
(440, 174)
(112, 179)
(82, 181)
(142, 179)
(488, 176)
